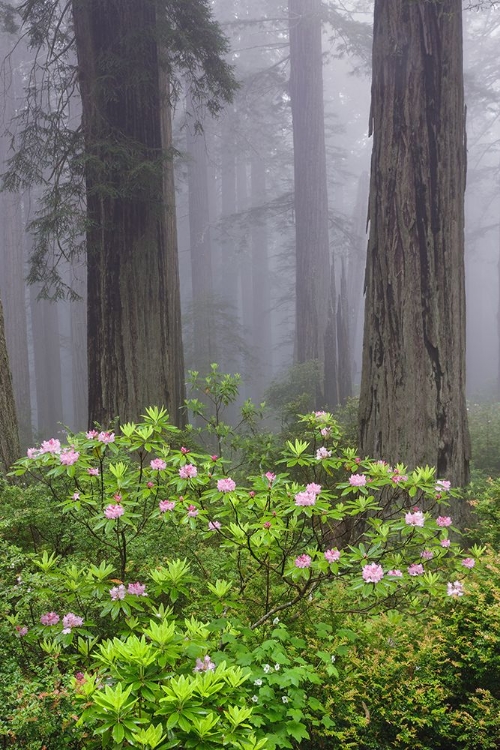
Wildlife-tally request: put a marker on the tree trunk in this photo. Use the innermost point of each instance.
(201, 251)
(134, 336)
(9, 435)
(315, 309)
(47, 361)
(412, 403)
(261, 285)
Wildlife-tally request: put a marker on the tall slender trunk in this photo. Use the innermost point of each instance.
(47, 359)
(315, 282)
(261, 285)
(9, 434)
(201, 250)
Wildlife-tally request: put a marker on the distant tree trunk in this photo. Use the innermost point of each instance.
(79, 349)
(12, 261)
(201, 250)
(355, 275)
(134, 334)
(261, 285)
(9, 434)
(315, 283)
(412, 404)
(47, 359)
(344, 341)
(228, 275)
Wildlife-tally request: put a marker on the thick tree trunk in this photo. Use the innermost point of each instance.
(134, 336)
(412, 404)
(9, 435)
(315, 309)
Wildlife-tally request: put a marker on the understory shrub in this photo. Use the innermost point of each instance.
(197, 607)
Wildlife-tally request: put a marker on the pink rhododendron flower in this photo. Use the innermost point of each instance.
(214, 457)
(117, 498)
(21, 630)
(445, 542)
(321, 414)
(399, 478)
(373, 573)
(427, 554)
(32, 452)
(332, 555)
(192, 511)
(303, 561)
(416, 569)
(71, 621)
(93, 472)
(50, 618)
(270, 477)
(455, 589)
(305, 498)
(204, 665)
(443, 521)
(322, 453)
(267, 524)
(468, 562)
(325, 432)
(150, 485)
(137, 589)
(114, 511)
(188, 471)
(226, 485)
(442, 485)
(312, 487)
(106, 437)
(357, 480)
(416, 518)
(184, 451)
(165, 505)
(75, 496)
(214, 525)
(158, 464)
(395, 573)
(50, 446)
(118, 592)
(91, 434)
(69, 457)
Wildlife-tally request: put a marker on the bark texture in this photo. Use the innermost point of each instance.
(135, 354)
(9, 435)
(412, 403)
(315, 288)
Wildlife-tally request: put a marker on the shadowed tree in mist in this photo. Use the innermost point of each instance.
(9, 434)
(412, 402)
(118, 167)
(316, 333)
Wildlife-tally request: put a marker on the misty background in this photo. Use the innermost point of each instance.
(234, 194)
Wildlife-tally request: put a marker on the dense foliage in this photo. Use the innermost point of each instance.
(158, 596)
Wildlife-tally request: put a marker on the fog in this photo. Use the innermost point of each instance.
(236, 220)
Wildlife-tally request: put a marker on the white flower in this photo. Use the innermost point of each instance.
(284, 698)
(255, 698)
(266, 668)
(333, 657)
(258, 683)
(276, 620)
(277, 667)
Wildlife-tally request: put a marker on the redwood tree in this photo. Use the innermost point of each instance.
(118, 167)
(9, 434)
(412, 403)
(315, 284)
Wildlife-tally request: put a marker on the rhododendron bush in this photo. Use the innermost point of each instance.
(225, 631)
